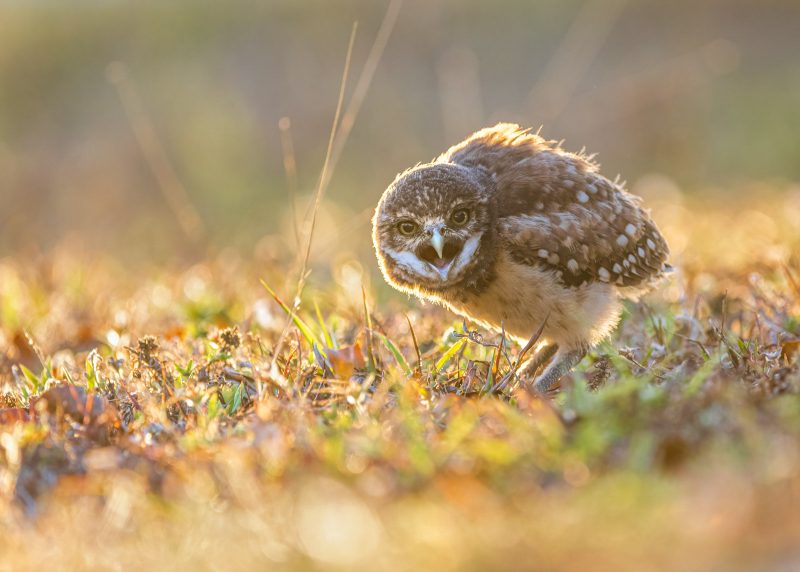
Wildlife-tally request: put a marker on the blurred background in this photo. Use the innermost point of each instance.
(140, 130)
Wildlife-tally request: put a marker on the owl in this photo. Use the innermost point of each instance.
(511, 231)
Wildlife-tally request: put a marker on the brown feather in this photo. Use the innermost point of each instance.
(554, 210)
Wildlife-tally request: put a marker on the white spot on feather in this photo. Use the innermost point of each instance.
(622, 240)
(583, 197)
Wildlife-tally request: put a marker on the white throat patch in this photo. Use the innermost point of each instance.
(466, 254)
(411, 262)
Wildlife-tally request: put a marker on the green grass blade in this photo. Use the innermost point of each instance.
(368, 331)
(325, 332)
(237, 399)
(490, 376)
(212, 408)
(93, 380)
(31, 378)
(448, 355)
(308, 334)
(395, 351)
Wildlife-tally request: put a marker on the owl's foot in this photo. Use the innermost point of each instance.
(562, 364)
(541, 358)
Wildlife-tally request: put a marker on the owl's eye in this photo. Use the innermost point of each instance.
(407, 227)
(460, 217)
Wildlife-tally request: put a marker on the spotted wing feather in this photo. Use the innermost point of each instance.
(556, 211)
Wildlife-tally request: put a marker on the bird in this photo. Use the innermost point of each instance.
(509, 230)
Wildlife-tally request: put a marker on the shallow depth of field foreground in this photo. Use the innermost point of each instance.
(164, 430)
(184, 385)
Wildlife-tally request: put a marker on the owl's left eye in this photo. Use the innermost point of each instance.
(460, 217)
(407, 227)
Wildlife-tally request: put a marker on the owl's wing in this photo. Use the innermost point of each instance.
(556, 211)
(609, 239)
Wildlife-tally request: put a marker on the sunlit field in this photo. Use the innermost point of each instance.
(201, 367)
(180, 418)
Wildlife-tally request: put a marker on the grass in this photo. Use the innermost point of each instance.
(147, 422)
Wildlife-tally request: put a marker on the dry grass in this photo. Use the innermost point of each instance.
(145, 425)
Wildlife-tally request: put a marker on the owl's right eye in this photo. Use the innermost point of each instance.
(407, 227)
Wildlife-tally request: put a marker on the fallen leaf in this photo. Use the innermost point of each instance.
(346, 360)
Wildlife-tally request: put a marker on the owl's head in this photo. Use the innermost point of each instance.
(433, 228)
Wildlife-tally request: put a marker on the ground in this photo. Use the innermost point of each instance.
(185, 420)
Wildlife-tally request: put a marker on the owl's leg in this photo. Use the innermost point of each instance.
(562, 364)
(541, 357)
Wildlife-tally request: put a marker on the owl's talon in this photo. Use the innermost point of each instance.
(562, 364)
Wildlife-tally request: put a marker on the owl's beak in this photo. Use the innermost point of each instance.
(437, 241)
(438, 253)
